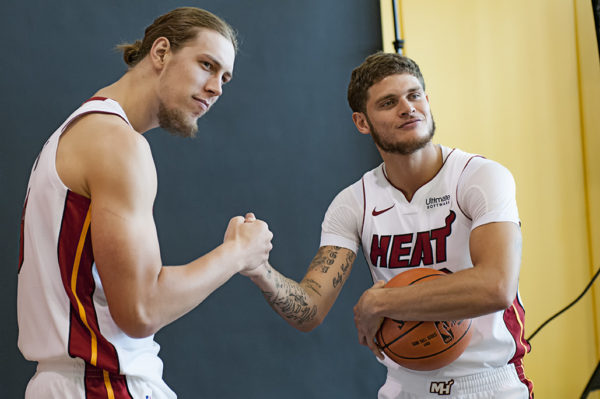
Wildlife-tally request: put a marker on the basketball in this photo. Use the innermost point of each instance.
(422, 345)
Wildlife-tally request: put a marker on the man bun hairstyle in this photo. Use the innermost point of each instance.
(178, 26)
(131, 52)
(375, 68)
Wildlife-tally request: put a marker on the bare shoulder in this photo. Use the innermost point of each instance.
(101, 149)
(105, 138)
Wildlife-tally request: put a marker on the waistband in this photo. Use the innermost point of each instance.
(489, 380)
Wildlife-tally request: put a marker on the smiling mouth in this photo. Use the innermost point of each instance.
(203, 103)
(410, 123)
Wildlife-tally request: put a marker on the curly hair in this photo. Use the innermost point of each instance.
(375, 68)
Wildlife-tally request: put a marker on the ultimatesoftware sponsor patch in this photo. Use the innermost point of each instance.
(434, 202)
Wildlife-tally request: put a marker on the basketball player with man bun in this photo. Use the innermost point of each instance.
(426, 205)
(92, 289)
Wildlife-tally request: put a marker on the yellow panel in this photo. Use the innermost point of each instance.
(589, 86)
(504, 79)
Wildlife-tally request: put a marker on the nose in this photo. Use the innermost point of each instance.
(214, 85)
(406, 108)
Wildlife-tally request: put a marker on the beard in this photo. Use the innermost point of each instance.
(175, 122)
(400, 147)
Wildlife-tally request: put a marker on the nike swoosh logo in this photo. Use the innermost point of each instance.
(376, 212)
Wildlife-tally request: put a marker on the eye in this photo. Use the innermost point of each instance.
(387, 103)
(225, 78)
(414, 96)
(206, 65)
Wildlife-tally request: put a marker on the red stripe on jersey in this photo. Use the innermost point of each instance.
(76, 259)
(514, 318)
(100, 384)
(95, 99)
(65, 127)
(397, 188)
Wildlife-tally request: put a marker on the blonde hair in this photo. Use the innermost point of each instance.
(178, 26)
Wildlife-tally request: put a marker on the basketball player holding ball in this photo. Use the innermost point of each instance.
(426, 205)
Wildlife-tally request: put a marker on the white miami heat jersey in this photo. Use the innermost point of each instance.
(64, 320)
(432, 230)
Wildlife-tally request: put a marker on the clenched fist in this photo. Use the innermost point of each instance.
(251, 239)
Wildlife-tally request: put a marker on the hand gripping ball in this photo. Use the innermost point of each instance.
(422, 345)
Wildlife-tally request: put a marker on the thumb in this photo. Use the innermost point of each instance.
(379, 284)
(233, 223)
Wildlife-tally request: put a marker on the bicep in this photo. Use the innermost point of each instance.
(496, 252)
(125, 245)
(126, 251)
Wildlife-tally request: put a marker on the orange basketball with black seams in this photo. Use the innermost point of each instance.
(422, 345)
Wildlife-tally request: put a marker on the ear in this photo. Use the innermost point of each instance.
(159, 51)
(360, 120)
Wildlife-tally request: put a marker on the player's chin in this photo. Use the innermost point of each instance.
(190, 127)
(185, 130)
(192, 131)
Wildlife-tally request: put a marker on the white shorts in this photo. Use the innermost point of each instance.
(500, 383)
(53, 383)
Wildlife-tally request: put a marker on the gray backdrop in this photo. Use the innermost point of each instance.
(280, 142)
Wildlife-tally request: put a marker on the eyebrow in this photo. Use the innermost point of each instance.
(386, 97)
(392, 95)
(413, 89)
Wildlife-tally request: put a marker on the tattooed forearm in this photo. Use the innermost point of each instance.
(305, 304)
(290, 300)
(350, 256)
(339, 278)
(324, 259)
(313, 285)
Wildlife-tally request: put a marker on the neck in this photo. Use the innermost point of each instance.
(135, 93)
(409, 172)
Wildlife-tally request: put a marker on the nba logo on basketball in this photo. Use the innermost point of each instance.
(423, 345)
(441, 388)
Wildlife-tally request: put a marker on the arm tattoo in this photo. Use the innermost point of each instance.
(313, 285)
(349, 260)
(337, 280)
(324, 259)
(289, 299)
